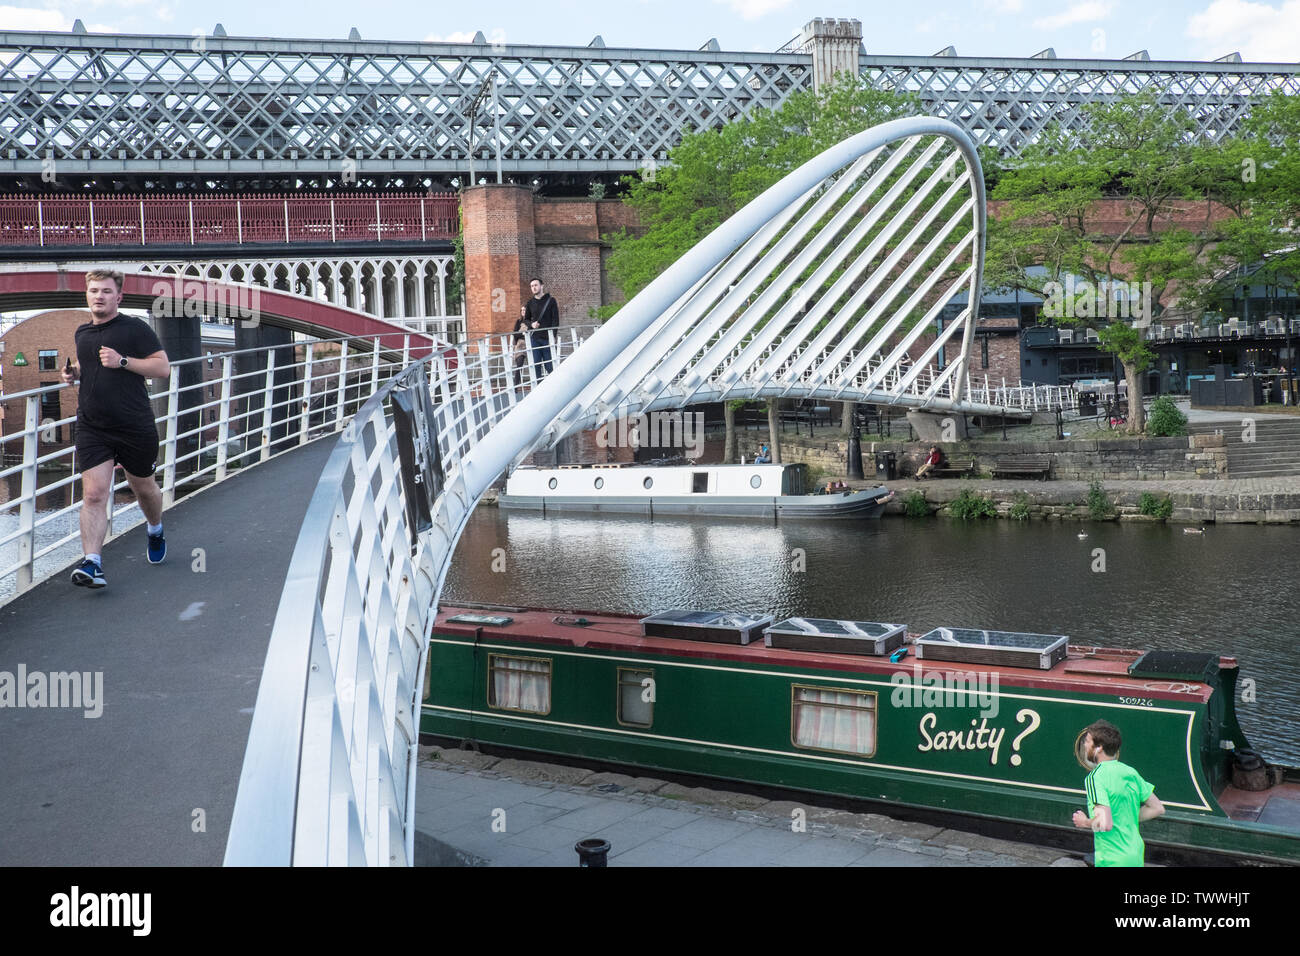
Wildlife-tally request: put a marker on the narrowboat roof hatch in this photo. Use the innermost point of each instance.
(1176, 665)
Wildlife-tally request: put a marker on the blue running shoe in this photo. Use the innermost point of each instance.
(89, 575)
(157, 548)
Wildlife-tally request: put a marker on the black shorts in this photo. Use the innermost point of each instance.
(136, 450)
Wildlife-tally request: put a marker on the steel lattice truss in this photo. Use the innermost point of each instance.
(1007, 103)
(176, 105)
(158, 103)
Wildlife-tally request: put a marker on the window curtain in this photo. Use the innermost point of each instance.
(834, 720)
(522, 684)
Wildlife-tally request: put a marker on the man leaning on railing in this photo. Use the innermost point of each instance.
(115, 423)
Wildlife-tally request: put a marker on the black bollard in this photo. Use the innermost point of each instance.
(855, 455)
(592, 852)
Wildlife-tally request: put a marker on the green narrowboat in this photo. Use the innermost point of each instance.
(974, 723)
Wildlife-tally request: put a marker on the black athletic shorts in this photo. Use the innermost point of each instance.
(136, 450)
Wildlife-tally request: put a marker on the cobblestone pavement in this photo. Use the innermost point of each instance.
(478, 810)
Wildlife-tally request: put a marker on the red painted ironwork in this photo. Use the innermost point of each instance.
(127, 220)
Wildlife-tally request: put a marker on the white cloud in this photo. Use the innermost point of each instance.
(1003, 6)
(753, 9)
(1086, 12)
(24, 18)
(1260, 31)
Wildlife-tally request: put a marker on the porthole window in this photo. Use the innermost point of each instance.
(600, 483)
(552, 483)
(648, 483)
(756, 481)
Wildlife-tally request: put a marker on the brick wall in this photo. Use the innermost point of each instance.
(500, 256)
(49, 330)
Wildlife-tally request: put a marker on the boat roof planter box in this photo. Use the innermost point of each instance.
(718, 627)
(871, 638)
(1001, 648)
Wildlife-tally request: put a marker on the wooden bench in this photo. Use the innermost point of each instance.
(954, 468)
(1028, 467)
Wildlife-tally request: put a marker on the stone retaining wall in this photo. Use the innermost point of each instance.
(1069, 501)
(1194, 456)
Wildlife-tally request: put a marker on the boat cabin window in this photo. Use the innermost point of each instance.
(648, 484)
(519, 683)
(756, 481)
(636, 697)
(833, 718)
(552, 483)
(600, 483)
(699, 482)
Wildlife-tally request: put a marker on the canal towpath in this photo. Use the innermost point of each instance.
(475, 809)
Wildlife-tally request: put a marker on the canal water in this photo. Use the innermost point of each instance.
(1231, 590)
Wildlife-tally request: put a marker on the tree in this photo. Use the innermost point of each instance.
(1138, 149)
(711, 174)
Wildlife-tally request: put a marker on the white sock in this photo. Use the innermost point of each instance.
(154, 528)
(95, 558)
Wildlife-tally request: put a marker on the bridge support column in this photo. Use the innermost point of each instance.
(500, 254)
(181, 338)
(252, 388)
(941, 426)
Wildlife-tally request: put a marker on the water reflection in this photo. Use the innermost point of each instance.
(1229, 591)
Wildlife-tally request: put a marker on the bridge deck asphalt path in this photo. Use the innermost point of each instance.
(181, 654)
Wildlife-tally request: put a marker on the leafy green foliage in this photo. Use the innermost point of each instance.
(970, 504)
(915, 505)
(1138, 148)
(1019, 507)
(1100, 507)
(1165, 418)
(1162, 508)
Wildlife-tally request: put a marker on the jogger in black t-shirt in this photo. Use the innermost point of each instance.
(115, 423)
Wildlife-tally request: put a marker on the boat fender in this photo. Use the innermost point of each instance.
(1249, 771)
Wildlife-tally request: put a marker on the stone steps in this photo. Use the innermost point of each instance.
(1275, 452)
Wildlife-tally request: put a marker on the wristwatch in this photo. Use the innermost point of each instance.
(121, 363)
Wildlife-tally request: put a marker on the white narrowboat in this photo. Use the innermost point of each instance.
(726, 490)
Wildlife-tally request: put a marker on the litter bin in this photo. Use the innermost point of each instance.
(886, 465)
(1087, 404)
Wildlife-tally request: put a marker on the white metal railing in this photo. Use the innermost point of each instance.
(354, 618)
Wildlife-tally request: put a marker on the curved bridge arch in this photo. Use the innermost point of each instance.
(759, 307)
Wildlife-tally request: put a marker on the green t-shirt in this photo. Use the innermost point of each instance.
(1121, 788)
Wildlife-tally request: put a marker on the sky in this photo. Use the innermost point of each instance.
(1260, 30)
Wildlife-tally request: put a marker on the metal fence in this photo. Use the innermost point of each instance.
(226, 220)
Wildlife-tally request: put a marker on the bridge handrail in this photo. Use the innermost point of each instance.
(340, 689)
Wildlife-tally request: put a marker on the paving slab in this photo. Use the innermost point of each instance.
(650, 829)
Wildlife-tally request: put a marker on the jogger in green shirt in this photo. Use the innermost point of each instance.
(1118, 800)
